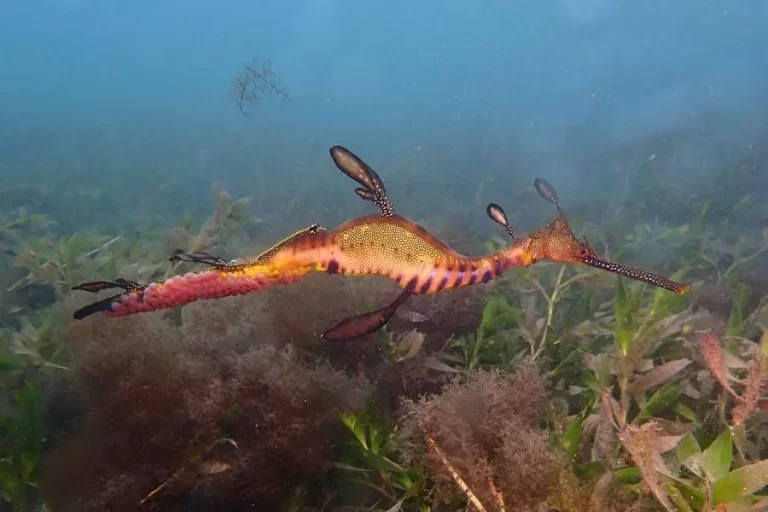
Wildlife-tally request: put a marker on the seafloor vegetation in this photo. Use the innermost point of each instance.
(553, 388)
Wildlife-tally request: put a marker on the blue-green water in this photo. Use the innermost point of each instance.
(124, 136)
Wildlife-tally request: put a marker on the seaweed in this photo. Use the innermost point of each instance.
(229, 218)
(237, 432)
(21, 448)
(256, 80)
(485, 428)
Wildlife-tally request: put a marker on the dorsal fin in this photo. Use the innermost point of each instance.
(266, 256)
(199, 257)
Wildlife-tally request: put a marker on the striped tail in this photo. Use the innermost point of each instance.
(180, 290)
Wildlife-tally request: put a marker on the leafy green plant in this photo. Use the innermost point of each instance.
(229, 217)
(644, 405)
(13, 226)
(710, 252)
(65, 263)
(38, 345)
(369, 460)
(703, 479)
(405, 346)
(491, 345)
(538, 339)
(710, 479)
(24, 355)
(21, 442)
(740, 294)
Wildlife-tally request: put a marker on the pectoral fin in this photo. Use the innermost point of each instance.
(96, 307)
(360, 325)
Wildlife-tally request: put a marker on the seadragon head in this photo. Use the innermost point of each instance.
(557, 242)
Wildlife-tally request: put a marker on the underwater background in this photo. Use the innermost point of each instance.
(129, 130)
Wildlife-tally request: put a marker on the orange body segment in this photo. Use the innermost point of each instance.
(397, 248)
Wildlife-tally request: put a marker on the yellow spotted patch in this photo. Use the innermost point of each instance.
(387, 246)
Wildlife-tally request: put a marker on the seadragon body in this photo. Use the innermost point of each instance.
(393, 247)
(397, 248)
(384, 244)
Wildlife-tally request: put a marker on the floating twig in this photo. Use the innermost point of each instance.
(496, 494)
(196, 460)
(459, 481)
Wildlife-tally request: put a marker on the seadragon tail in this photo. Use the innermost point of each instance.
(180, 290)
